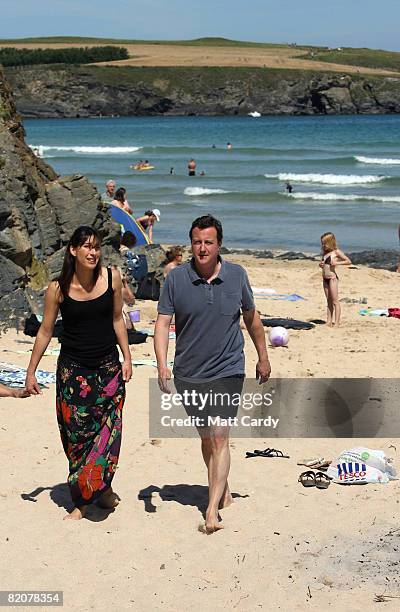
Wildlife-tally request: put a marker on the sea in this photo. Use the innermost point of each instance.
(344, 170)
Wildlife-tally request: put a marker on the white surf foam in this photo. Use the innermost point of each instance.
(199, 191)
(381, 161)
(327, 179)
(341, 197)
(96, 150)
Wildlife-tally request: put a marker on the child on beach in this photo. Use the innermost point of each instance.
(332, 257)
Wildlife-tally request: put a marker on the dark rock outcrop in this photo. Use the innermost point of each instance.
(377, 258)
(87, 91)
(38, 213)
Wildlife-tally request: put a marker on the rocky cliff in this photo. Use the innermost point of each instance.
(87, 91)
(38, 212)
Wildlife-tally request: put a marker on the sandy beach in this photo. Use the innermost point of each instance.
(284, 547)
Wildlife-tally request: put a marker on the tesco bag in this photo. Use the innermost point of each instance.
(361, 466)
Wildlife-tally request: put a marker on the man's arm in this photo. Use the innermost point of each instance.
(161, 341)
(255, 328)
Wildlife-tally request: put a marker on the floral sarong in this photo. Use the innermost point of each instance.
(89, 406)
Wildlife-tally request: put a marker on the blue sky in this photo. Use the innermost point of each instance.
(357, 23)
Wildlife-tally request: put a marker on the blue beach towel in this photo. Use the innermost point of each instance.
(292, 297)
(14, 376)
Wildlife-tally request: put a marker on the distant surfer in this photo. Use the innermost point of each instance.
(228, 146)
(172, 171)
(192, 167)
(289, 187)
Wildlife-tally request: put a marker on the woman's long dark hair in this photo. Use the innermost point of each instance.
(120, 195)
(78, 238)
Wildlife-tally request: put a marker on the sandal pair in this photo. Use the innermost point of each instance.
(268, 452)
(314, 479)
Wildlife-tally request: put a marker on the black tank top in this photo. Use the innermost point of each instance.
(88, 333)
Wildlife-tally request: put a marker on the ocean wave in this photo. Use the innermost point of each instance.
(380, 161)
(199, 191)
(84, 149)
(327, 179)
(338, 197)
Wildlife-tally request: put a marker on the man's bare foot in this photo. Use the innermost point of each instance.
(76, 515)
(226, 500)
(108, 500)
(212, 524)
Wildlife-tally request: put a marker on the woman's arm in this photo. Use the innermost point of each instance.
(343, 259)
(151, 232)
(44, 335)
(127, 293)
(119, 326)
(127, 207)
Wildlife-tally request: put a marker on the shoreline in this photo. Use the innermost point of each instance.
(383, 259)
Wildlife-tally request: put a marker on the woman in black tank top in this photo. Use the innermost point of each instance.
(90, 389)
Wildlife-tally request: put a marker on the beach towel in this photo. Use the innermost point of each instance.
(394, 312)
(292, 297)
(263, 291)
(383, 312)
(287, 323)
(14, 376)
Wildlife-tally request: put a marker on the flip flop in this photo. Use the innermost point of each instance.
(268, 452)
(316, 464)
(307, 479)
(271, 452)
(322, 481)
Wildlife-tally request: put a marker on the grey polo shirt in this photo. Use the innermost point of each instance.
(209, 341)
(106, 198)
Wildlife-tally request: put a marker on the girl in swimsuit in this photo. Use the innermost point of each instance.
(332, 257)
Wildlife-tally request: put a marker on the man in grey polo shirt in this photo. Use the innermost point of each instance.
(206, 296)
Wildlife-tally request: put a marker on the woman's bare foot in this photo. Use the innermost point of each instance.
(108, 500)
(76, 515)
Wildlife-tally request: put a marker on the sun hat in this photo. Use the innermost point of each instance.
(157, 214)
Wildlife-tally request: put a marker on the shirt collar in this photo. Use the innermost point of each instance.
(196, 279)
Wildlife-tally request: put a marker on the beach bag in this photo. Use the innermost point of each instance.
(149, 288)
(394, 312)
(136, 265)
(32, 325)
(136, 337)
(362, 465)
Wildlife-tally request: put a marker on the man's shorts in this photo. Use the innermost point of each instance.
(220, 397)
